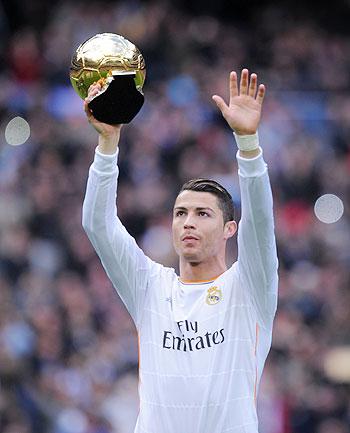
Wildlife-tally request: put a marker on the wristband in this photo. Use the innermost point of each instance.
(247, 142)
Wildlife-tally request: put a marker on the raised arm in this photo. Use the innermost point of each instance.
(126, 265)
(257, 257)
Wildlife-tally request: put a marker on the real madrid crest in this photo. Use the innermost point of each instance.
(214, 295)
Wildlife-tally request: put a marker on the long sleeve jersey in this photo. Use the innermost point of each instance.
(202, 345)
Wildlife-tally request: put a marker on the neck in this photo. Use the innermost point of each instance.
(202, 271)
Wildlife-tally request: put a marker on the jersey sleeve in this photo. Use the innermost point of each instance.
(257, 256)
(128, 268)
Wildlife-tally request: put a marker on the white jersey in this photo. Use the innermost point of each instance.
(202, 345)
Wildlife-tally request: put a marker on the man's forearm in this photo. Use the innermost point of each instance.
(108, 143)
(257, 256)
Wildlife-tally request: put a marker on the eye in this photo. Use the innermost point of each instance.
(202, 213)
(179, 213)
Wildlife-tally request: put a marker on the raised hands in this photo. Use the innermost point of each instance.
(244, 110)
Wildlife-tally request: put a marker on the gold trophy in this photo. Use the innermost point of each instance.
(118, 65)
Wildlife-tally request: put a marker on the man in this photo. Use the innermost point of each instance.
(205, 334)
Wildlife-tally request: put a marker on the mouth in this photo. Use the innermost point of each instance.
(188, 238)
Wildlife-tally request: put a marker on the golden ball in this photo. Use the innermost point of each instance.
(102, 57)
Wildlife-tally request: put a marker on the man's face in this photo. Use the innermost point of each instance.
(199, 232)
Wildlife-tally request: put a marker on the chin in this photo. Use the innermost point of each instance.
(191, 257)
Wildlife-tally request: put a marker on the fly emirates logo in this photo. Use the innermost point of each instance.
(193, 340)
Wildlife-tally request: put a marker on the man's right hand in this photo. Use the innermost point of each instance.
(108, 134)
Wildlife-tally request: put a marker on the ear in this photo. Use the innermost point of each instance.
(230, 229)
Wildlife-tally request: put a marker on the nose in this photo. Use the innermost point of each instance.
(189, 222)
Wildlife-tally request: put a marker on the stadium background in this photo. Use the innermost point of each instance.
(68, 356)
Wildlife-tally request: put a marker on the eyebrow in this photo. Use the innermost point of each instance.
(197, 208)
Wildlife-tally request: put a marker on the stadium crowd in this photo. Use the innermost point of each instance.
(68, 351)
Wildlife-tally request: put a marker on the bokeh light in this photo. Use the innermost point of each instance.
(329, 208)
(69, 350)
(337, 364)
(17, 131)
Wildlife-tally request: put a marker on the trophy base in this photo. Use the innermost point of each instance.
(119, 103)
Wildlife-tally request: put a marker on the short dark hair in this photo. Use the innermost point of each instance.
(225, 201)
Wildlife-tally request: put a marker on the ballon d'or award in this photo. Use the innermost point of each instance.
(118, 65)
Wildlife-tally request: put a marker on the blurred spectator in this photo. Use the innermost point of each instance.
(68, 350)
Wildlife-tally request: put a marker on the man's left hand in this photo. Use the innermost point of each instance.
(244, 110)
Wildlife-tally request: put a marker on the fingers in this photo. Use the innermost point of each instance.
(233, 85)
(243, 85)
(261, 94)
(253, 85)
(87, 109)
(250, 86)
(247, 87)
(233, 92)
(220, 103)
(94, 89)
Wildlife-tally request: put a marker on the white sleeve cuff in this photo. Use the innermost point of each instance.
(251, 167)
(104, 163)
